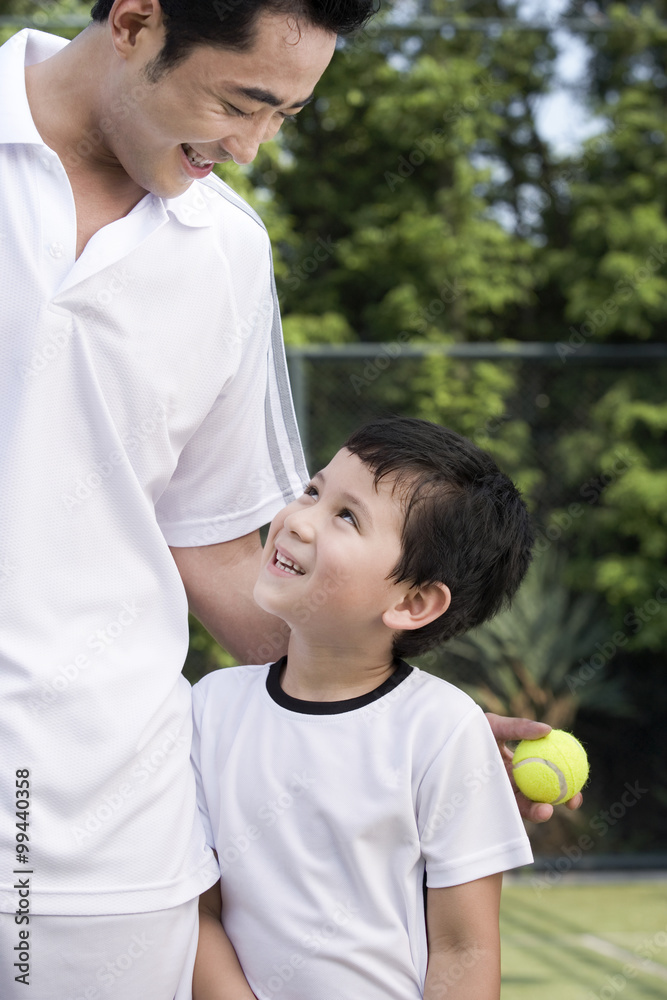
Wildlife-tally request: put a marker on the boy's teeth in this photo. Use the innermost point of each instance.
(288, 565)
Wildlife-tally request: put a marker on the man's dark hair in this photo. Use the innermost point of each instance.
(466, 524)
(230, 24)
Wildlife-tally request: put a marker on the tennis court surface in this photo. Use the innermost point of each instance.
(584, 938)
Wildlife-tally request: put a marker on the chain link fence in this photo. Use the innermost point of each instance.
(552, 393)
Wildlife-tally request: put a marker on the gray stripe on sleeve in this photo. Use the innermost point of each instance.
(279, 369)
(284, 391)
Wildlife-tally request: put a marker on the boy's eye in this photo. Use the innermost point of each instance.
(348, 516)
(310, 491)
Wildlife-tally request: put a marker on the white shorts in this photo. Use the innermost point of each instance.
(127, 956)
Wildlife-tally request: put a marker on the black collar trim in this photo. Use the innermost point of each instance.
(275, 691)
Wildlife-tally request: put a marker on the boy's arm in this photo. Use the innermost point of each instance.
(217, 975)
(464, 941)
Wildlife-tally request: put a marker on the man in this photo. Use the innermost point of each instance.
(145, 408)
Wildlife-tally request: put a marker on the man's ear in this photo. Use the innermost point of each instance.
(418, 607)
(128, 18)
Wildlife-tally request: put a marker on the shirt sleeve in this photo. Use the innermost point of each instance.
(469, 822)
(198, 702)
(244, 462)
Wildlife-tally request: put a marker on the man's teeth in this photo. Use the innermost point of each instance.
(288, 565)
(195, 159)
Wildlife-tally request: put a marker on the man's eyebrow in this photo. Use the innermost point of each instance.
(350, 499)
(266, 97)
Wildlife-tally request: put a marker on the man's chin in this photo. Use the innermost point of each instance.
(163, 188)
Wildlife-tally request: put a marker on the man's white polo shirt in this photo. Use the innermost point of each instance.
(143, 403)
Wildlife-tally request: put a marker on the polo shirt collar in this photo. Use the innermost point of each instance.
(192, 207)
(16, 125)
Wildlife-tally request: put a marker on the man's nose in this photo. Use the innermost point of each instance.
(245, 141)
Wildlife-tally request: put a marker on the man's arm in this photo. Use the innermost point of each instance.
(464, 941)
(524, 729)
(218, 974)
(219, 581)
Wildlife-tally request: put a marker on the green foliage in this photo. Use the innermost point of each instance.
(543, 659)
(420, 165)
(204, 654)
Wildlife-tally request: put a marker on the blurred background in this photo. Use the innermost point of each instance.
(469, 225)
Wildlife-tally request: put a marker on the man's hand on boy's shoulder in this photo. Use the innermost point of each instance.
(507, 729)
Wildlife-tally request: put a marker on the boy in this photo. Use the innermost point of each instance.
(331, 781)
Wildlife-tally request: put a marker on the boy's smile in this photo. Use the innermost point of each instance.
(329, 555)
(282, 562)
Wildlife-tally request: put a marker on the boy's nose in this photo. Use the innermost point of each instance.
(300, 522)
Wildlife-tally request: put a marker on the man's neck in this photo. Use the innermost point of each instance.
(66, 94)
(67, 107)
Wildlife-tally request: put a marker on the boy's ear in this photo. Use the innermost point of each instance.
(418, 607)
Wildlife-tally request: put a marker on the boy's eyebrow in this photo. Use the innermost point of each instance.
(350, 499)
(266, 97)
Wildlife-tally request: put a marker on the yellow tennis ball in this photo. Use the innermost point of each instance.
(551, 769)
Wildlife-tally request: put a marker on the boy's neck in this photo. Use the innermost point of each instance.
(333, 672)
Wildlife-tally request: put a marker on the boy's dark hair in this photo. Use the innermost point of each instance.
(230, 24)
(466, 524)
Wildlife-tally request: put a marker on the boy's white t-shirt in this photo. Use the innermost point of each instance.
(325, 816)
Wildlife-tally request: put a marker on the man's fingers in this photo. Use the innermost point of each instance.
(504, 728)
(536, 812)
(507, 728)
(540, 812)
